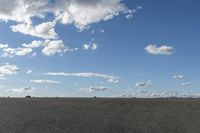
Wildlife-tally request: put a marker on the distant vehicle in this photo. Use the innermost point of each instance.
(94, 97)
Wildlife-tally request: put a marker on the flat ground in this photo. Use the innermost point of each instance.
(82, 115)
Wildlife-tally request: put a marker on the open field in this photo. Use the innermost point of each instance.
(84, 115)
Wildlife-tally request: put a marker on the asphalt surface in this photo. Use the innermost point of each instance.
(90, 115)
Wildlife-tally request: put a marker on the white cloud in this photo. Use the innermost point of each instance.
(9, 69)
(149, 94)
(186, 84)
(84, 13)
(22, 90)
(113, 80)
(144, 84)
(33, 44)
(3, 45)
(41, 81)
(80, 13)
(49, 48)
(9, 52)
(95, 89)
(93, 46)
(129, 16)
(189, 95)
(86, 74)
(23, 10)
(71, 49)
(162, 50)
(53, 47)
(139, 7)
(166, 94)
(44, 30)
(29, 71)
(130, 13)
(178, 77)
(86, 46)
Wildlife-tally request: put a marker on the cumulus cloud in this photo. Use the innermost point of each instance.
(86, 12)
(3, 45)
(41, 81)
(22, 90)
(9, 69)
(29, 71)
(71, 49)
(144, 84)
(44, 30)
(95, 89)
(186, 84)
(80, 13)
(26, 49)
(86, 74)
(23, 10)
(93, 46)
(33, 44)
(129, 16)
(162, 50)
(53, 47)
(10, 52)
(149, 94)
(189, 95)
(178, 77)
(165, 94)
(49, 48)
(86, 46)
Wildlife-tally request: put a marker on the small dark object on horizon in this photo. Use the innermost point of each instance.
(94, 97)
(27, 96)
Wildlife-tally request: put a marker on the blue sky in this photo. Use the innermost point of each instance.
(105, 48)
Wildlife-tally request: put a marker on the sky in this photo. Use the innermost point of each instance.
(86, 48)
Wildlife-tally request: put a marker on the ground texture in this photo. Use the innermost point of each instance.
(82, 115)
